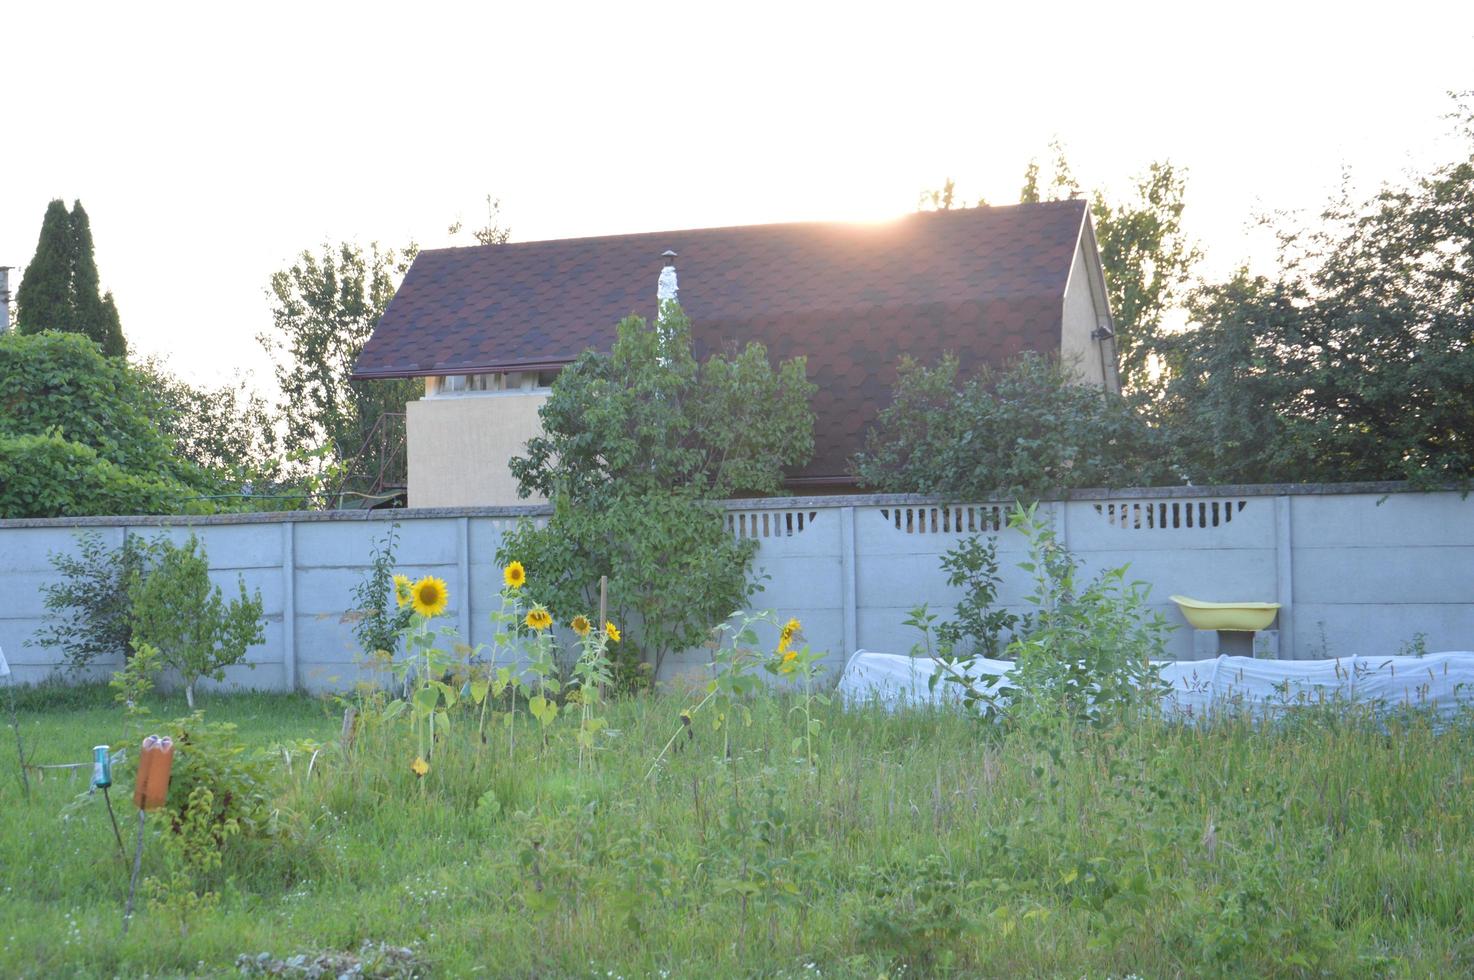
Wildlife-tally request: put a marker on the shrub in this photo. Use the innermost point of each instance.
(673, 570)
(91, 610)
(49, 476)
(176, 610)
(1022, 432)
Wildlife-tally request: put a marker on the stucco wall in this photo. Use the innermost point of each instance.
(1081, 316)
(1357, 570)
(459, 446)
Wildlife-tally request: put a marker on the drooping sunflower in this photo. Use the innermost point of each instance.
(611, 631)
(538, 619)
(430, 597)
(786, 634)
(401, 589)
(581, 625)
(419, 767)
(514, 575)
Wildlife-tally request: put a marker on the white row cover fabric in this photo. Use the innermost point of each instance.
(1436, 681)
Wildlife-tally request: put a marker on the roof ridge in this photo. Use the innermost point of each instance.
(772, 225)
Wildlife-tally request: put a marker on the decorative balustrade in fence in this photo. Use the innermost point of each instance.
(1358, 569)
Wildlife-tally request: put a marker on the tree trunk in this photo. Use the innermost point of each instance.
(189, 693)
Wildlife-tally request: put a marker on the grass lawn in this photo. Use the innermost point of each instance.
(922, 843)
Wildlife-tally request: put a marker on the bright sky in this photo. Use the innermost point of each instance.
(210, 143)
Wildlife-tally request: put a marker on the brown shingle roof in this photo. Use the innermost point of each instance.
(984, 283)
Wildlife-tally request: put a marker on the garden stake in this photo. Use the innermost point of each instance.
(149, 792)
(25, 781)
(603, 613)
(102, 778)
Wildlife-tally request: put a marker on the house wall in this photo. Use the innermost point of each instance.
(1358, 570)
(459, 447)
(1082, 311)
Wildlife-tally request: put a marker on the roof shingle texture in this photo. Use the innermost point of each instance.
(983, 283)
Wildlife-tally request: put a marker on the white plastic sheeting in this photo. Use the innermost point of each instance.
(1437, 681)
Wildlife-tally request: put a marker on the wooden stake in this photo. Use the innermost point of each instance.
(20, 751)
(603, 614)
(137, 863)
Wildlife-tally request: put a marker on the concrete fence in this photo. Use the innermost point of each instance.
(1358, 569)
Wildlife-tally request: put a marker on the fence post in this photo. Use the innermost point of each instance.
(463, 570)
(1284, 574)
(848, 574)
(289, 605)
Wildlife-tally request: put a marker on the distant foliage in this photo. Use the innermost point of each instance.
(90, 608)
(60, 288)
(228, 432)
(324, 309)
(1025, 431)
(1353, 362)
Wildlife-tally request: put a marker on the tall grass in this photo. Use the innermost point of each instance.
(920, 843)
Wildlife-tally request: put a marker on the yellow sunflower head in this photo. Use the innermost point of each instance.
(787, 633)
(514, 575)
(787, 665)
(538, 619)
(611, 631)
(419, 767)
(581, 625)
(401, 589)
(429, 596)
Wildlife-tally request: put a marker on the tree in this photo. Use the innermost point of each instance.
(60, 288)
(324, 308)
(648, 416)
(178, 613)
(1355, 361)
(1021, 432)
(634, 445)
(228, 431)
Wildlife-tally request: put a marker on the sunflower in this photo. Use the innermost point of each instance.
(786, 634)
(611, 631)
(581, 625)
(401, 589)
(787, 665)
(429, 596)
(514, 575)
(538, 619)
(419, 767)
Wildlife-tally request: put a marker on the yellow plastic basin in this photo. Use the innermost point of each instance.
(1242, 616)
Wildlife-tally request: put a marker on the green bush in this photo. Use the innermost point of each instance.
(92, 614)
(1023, 432)
(674, 571)
(50, 476)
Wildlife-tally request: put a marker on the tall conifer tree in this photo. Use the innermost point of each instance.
(60, 289)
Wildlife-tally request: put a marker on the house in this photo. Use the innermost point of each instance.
(488, 327)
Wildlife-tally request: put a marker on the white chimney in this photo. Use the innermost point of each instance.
(5, 297)
(666, 288)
